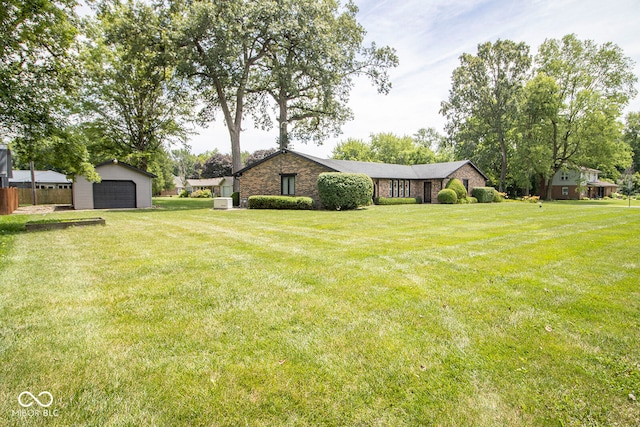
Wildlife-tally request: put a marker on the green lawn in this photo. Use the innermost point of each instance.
(469, 315)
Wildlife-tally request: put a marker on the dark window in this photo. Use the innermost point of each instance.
(399, 188)
(465, 182)
(288, 185)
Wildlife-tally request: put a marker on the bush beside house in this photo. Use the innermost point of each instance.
(447, 196)
(280, 202)
(457, 186)
(483, 194)
(398, 200)
(344, 191)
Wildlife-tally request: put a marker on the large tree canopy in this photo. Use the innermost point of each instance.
(134, 105)
(38, 81)
(483, 102)
(220, 44)
(574, 103)
(302, 55)
(308, 70)
(36, 69)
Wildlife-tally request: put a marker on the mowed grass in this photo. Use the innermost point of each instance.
(471, 315)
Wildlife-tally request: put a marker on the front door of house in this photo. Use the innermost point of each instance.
(427, 192)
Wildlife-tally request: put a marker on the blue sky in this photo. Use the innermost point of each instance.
(430, 36)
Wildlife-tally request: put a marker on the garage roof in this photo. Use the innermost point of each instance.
(126, 165)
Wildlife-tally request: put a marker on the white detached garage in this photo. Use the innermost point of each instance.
(122, 186)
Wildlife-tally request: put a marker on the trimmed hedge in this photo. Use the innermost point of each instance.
(201, 194)
(280, 202)
(344, 191)
(484, 194)
(235, 196)
(447, 196)
(457, 186)
(497, 197)
(398, 200)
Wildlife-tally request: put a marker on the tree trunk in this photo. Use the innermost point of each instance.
(33, 183)
(503, 169)
(283, 137)
(236, 154)
(548, 188)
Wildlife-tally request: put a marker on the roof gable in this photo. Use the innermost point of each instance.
(116, 162)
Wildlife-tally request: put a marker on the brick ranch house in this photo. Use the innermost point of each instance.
(291, 173)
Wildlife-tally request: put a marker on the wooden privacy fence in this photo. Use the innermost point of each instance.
(8, 200)
(46, 196)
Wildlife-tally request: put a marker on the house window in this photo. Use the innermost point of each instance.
(564, 176)
(288, 185)
(465, 182)
(565, 191)
(399, 188)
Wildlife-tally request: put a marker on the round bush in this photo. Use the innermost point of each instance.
(457, 186)
(447, 196)
(343, 191)
(235, 196)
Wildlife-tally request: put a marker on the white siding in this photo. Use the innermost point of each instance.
(83, 189)
(82, 193)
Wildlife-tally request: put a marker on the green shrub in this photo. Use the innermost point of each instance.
(472, 200)
(484, 194)
(397, 200)
(236, 198)
(498, 197)
(344, 191)
(201, 194)
(447, 196)
(183, 193)
(457, 186)
(280, 202)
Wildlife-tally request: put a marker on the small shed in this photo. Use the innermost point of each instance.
(122, 187)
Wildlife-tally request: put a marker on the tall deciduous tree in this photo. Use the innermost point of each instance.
(38, 80)
(309, 69)
(579, 96)
(221, 44)
(134, 104)
(632, 137)
(482, 105)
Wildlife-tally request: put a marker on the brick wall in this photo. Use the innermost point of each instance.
(265, 178)
(466, 172)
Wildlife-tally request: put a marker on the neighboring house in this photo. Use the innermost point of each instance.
(44, 179)
(291, 173)
(220, 187)
(122, 186)
(573, 184)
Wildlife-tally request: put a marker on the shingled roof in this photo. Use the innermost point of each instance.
(380, 170)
